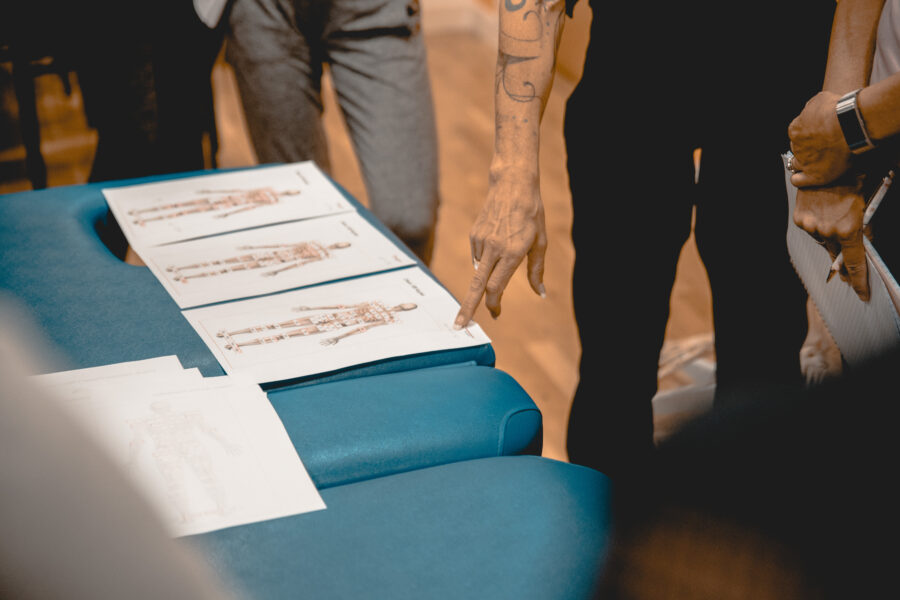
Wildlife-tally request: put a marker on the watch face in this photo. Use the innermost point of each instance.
(851, 123)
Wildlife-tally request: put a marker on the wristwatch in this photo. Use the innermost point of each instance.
(852, 124)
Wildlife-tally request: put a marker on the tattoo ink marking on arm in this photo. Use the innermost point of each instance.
(529, 92)
(537, 34)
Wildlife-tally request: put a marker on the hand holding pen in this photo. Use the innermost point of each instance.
(867, 216)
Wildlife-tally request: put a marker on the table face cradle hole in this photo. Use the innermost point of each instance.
(107, 229)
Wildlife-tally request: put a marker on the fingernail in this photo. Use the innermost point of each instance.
(542, 291)
(458, 324)
(475, 264)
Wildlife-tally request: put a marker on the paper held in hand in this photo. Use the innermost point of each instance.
(861, 330)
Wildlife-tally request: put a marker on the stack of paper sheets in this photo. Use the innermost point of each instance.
(276, 235)
(208, 453)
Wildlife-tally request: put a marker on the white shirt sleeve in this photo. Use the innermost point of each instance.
(209, 11)
(887, 43)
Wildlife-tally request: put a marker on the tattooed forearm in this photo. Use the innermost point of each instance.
(527, 47)
(526, 58)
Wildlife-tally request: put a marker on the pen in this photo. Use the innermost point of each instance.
(867, 216)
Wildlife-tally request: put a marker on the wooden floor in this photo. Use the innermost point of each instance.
(535, 339)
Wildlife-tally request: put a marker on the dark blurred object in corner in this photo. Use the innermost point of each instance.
(144, 70)
(783, 494)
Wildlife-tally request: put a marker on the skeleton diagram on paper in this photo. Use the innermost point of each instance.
(360, 317)
(284, 256)
(226, 203)
(179, 452)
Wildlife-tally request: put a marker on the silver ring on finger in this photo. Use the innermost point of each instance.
(790, 165)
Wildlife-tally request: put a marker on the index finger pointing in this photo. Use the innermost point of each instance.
(475, 293)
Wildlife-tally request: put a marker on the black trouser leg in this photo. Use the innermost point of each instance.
(627, 239)
(758, 301)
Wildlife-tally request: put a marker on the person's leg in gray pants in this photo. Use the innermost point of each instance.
(377, 58)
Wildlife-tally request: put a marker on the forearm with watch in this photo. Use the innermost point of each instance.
(817, 140)
(868, 120)
(836, 134)
(829, 137)
(867, 114)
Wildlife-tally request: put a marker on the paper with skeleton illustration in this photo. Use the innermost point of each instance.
(207, 453)
(332, 326)
(271, 259)
(861, 330)
(181, 209)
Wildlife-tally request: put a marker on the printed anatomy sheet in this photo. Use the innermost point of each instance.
(332, 326)
(182, 209)
(270, 259)
(208, 453)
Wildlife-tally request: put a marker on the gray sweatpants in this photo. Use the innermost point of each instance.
(377, 59)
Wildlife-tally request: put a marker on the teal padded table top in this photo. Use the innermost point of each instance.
(99, 310)
(514, 528)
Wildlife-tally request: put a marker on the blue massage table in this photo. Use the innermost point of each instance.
(60, 257)
(418, 454)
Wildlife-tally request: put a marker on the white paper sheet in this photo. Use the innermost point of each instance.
(270, 259)
(208, 453)
(181, 209)
(78, 388)
(328, 327)
(161, 364)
